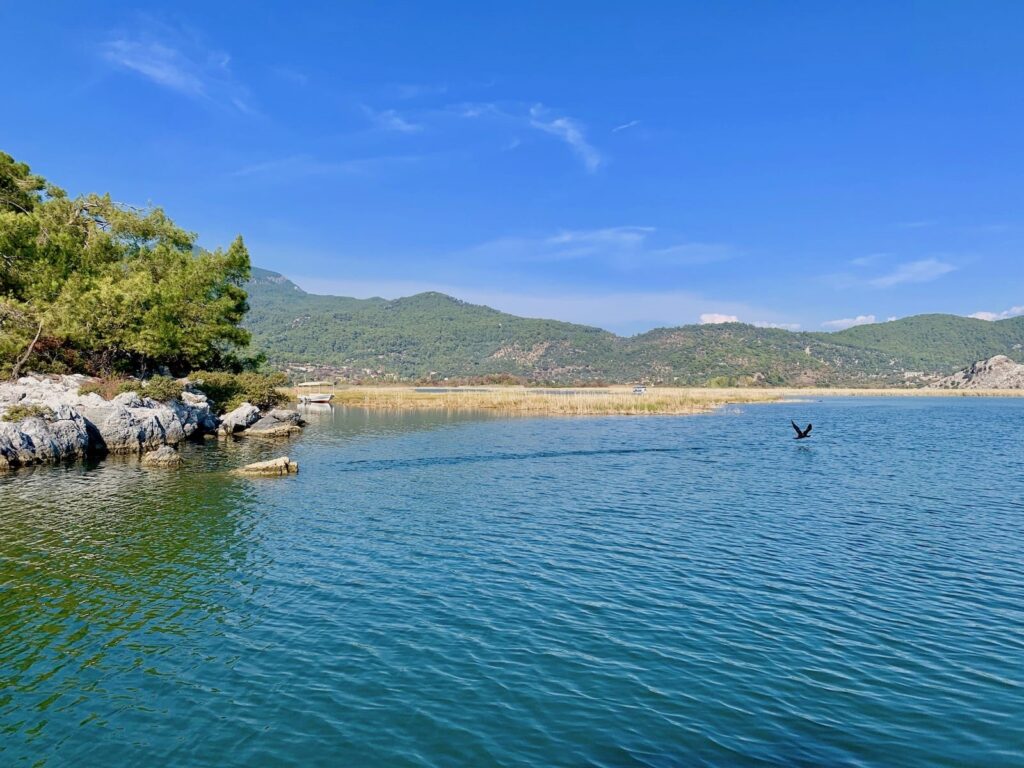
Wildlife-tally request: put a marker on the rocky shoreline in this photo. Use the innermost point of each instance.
(44, 419)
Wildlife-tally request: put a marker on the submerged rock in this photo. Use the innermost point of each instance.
(273, 468)
(999, 372)
(164, 456)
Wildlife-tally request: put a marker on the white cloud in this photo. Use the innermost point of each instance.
(921, 271)
(390, 120)
(781, 326)
(714, 318)
(848, 322)
(176, 59)
(569, 131)
(1005, 314)
(625, 126)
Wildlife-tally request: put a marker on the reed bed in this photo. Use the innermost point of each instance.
(522, 400)
(610, 400)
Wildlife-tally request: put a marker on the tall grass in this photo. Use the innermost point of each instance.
(608, 401)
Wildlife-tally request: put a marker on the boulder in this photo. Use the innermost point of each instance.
(164, 456)
(239, 419)
(273, 468)
(38, 439)
(277, 423)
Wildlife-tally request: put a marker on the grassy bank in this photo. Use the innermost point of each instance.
(610, 401)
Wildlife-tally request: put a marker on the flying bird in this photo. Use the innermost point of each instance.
(801, 433)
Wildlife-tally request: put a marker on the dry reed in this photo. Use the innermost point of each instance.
(609, 401)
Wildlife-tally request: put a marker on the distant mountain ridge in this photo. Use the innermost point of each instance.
(435, 335)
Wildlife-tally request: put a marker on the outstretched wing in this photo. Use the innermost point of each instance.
(808, 430)
(795, 427)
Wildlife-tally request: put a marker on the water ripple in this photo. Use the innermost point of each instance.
(460, 589)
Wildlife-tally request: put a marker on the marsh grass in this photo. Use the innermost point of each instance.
(608, 401)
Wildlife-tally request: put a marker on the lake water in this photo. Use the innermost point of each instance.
(464, 590)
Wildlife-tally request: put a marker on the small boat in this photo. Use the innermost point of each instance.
(318, 396)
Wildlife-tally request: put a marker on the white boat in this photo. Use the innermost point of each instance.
(316, 397)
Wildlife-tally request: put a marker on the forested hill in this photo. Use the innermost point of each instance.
(431, 334)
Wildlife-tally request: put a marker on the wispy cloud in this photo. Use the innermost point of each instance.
(571, 132)
(408, 91)
(622, 248)
(304, 166)
(1004, 315)
(391, 120)
(849, 322)
(178, 60)
(716, 318)
(922, 271)
(625, 126)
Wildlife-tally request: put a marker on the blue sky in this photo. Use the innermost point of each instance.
(627, 165)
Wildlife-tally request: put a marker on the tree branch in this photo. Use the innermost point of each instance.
(28, 352)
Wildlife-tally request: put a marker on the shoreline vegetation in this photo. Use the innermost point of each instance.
(605, 401)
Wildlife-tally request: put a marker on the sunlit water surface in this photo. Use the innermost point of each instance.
(464, 590)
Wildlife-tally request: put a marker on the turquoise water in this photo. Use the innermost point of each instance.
(436, 590)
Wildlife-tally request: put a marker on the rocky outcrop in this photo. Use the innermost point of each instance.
(164, 456)
(63, 434)
(999, 372)
(88, 424)
(239, 419)
(60, 423)
(277, 423)
(273, 468)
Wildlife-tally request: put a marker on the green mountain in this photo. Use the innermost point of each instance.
(434, 335)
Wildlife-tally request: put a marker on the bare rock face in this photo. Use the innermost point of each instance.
(82, 424)
(239, 419)
(277, 423)
(43, 439)
(999, 372)
(164, 456)
(274, 468)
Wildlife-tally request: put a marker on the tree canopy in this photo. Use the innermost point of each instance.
(90, 284)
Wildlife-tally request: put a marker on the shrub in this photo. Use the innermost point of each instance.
(106, 387)
(161, 388)
(22, 412)
(227, 391)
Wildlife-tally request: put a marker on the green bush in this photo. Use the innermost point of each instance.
(22, 412)
(227, 391)
(160, 388)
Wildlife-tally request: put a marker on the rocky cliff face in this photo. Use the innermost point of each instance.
(70, 425)
(999, 372)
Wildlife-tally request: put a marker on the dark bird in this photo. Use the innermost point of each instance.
(801, 433)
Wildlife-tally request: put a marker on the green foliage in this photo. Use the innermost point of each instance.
(22, 412)
(115, 288)
(160, 388)
(432, 338)
(227, 391)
